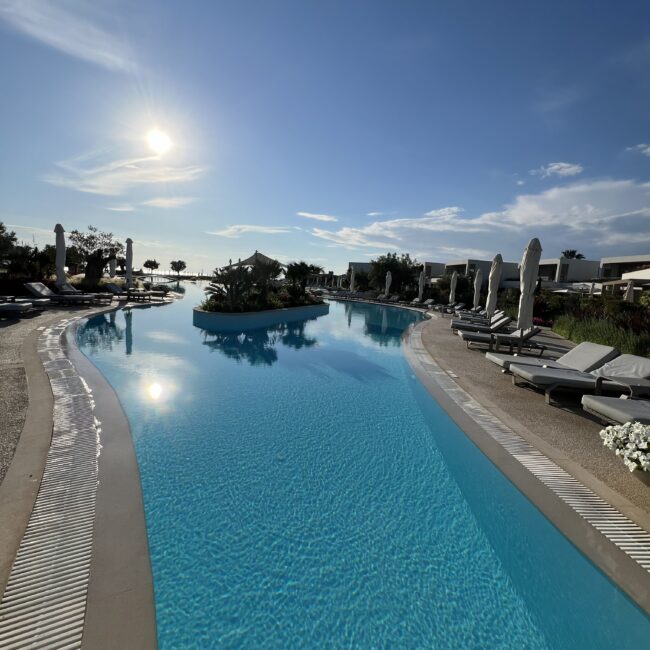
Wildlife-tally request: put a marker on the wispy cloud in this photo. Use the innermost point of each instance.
(236, 231)
(69, 28)
(595, 215)
(121, 208)
(34, 229)
(374, 214)
(641, 148)
(94, 174)
(169, 202)
(317, 217)
(556, 100)
(557, 169)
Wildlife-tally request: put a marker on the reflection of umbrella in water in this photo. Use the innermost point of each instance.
(384, 322)
(128, 319)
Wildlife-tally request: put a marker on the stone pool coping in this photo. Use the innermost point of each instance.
(616, 545)
(109, 574)
(220, 321)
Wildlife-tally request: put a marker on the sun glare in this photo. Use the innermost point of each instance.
(155, 391)
(159, 142)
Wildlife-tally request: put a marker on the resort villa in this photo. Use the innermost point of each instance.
(217, 431)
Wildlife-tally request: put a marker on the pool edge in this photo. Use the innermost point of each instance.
(605, 550)
(120, 605)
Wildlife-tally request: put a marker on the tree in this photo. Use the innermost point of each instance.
(152, 265)
(263, 275)
(403, 271)
(230, 284)
(7, 243)
(96, 249)
(298, 273)
(572, 254)
(178, 266)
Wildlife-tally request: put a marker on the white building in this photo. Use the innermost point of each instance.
(613, 268)
(562, 269)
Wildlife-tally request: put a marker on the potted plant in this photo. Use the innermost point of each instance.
(631, 442)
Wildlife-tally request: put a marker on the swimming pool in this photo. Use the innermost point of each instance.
(302, 489)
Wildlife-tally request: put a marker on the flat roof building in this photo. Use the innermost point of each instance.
(563, 269)
(509, 270)
(612, 268)
(364, 267)
(434, 269)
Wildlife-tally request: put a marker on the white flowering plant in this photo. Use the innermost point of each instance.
(630, 441)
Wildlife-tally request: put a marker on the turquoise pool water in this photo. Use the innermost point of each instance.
(303, 490)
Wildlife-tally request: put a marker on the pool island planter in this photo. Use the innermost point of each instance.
(219, 321)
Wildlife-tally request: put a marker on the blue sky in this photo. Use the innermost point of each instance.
(329, 131)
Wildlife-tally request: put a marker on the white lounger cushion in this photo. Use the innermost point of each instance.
(585, 357)
(618, 410)
(627, 365)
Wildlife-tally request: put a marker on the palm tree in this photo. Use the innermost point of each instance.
(263, 274)
(572, 254)
(231, 284)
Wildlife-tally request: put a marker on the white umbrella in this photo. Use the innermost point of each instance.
(111, 267)
(629, 292)
(389, 280)
(60, 256)
(421, 286)
(528, 272)
(478, 281)
(452, 287)
(352, 279)
(129, 262)
(493, 285)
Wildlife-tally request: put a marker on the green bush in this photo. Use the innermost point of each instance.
(605, 332)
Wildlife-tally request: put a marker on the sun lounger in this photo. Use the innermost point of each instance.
(518, 339)
(625, 372)
(13, 309)
(585, 357)
(617, 410)
(39, 290)
(132, 294)
(493, 327)
(481, 320)
(451, 305)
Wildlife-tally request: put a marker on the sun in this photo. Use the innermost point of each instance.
(159, 142)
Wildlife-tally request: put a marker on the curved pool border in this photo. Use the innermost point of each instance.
(615, 544)
(219, 321)
(80, 571)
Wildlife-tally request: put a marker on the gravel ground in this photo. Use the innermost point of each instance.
(566, 428)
